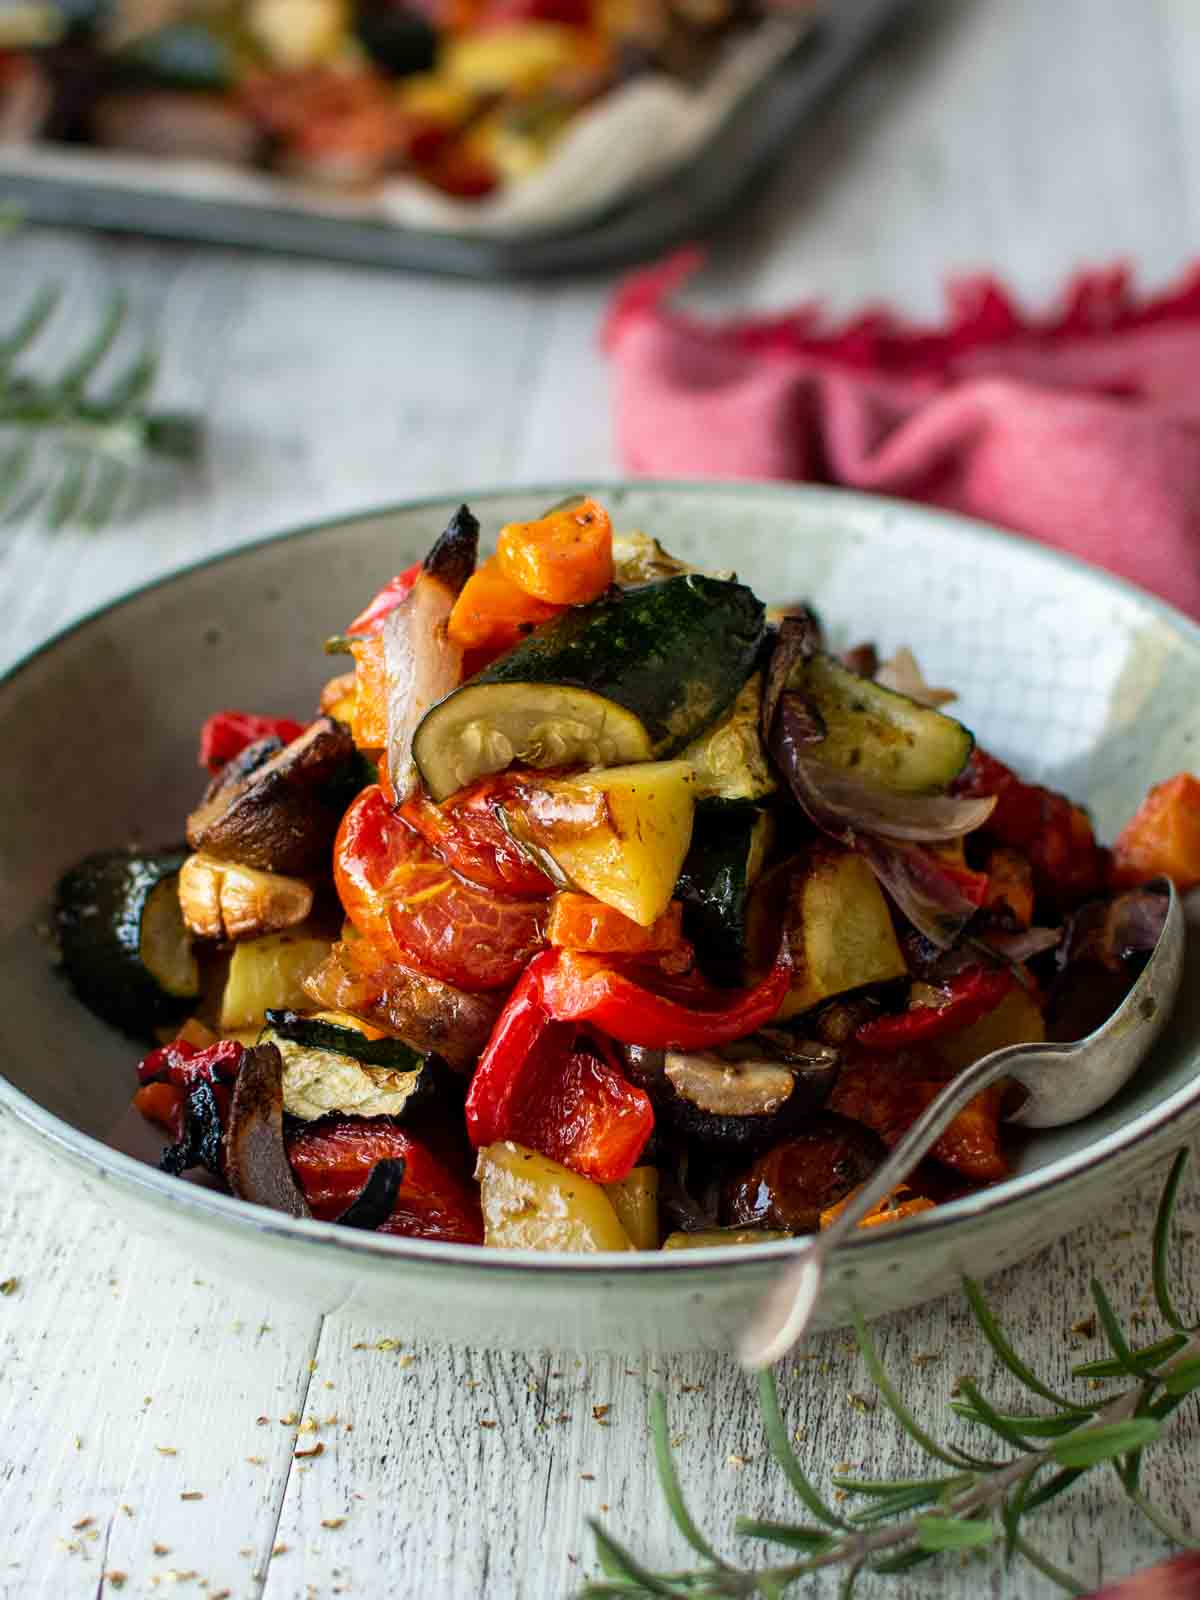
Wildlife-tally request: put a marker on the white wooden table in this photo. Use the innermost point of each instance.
(152, 1423)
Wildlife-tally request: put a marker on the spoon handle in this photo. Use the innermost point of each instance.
(787, 1307)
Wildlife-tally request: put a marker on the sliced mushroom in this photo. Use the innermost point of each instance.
(729, 1088)
(256, 1163)
(279, 816)
(742, 1098)
(225, 900)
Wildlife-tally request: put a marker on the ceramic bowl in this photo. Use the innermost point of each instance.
(1085, 683)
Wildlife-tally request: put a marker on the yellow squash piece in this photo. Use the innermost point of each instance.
(533, 1203)
(839, 927)
(268, 975)
(635, 1200)
(620, 834)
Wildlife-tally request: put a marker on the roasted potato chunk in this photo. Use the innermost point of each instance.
(838, 924)
(533, 1203)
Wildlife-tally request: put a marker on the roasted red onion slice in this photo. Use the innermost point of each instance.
(421, 665)
(256, 1163)
(928, 895)
(1112, 933)
(837, 800)
(1023, 946)
(799, 639)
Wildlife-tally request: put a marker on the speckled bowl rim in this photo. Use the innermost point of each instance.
(1012, 1196)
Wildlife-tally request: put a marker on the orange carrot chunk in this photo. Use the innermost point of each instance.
(894, 1207)
(579, 922)
(565, 558)
(1163, 835)
(492, 613)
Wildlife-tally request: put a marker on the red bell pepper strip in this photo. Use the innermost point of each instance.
(163, 1103)
(584, 988)
(523, 1039)
(185, 1065)
(1056, 835)
(227, 733)
(583, 1113)
(969, 995)
(539, 1083)
(370, 620)
(333, 1159)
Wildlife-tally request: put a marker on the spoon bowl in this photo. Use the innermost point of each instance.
(1063, 1083)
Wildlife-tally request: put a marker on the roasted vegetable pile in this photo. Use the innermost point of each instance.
(600, 908)
(468, 95)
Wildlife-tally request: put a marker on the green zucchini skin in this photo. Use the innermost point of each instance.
(674, 653)
(98, 910)
(729, 844)
(878, 734)
(316, 1034)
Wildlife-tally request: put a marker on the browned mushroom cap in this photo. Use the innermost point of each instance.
(280, 816)
(256, 1163)
(741, 1099)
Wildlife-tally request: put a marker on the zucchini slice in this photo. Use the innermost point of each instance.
(331, 1068)
(878, 734)
(730, 844)
(485, 727)
(620, 835)
(318, 1033)
(729, 759)
(124, 945)
(669, 656)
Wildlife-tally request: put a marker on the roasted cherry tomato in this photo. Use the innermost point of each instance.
(333, 1159)
(403, 899)
(465, 833)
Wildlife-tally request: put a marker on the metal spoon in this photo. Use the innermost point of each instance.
(1064, 1082)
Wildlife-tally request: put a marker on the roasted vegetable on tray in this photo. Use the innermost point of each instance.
(466, 97)
(595, 911)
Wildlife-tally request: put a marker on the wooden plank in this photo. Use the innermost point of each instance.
(130, 1386)
(323, 391)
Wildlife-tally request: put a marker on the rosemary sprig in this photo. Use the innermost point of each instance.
(70, 444)
(977, 1503)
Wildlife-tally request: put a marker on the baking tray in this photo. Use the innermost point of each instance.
(680, 205)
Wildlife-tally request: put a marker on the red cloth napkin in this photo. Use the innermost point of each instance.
(1080, 428)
